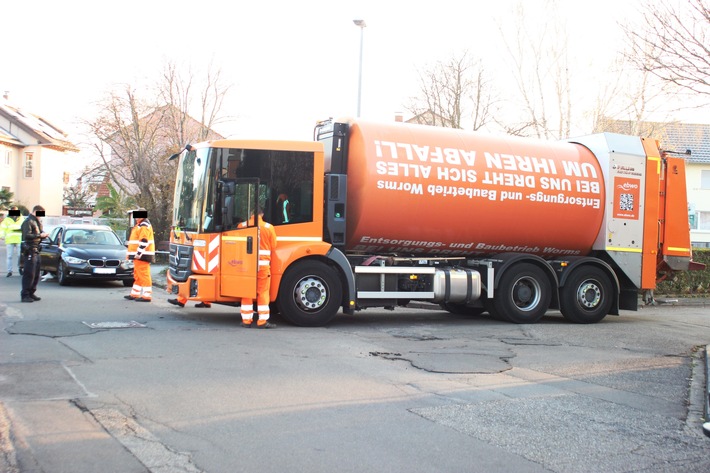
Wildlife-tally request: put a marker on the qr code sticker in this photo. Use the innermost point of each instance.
(626, 202)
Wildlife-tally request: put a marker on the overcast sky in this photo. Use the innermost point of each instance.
(291, 62)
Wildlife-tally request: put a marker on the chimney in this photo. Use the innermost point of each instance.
(398, 117)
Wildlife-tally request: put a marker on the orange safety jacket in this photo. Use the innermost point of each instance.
(267, 242)
(141, 245)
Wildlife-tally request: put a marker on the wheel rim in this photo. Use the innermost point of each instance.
(589, 294)
(310, 294)
(526, 294)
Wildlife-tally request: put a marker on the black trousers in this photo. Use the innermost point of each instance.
(30, 273)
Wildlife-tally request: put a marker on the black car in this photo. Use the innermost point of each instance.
(82, 251)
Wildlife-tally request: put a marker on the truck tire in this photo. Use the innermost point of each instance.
(587, 295)
(310, 294)
(523, 294)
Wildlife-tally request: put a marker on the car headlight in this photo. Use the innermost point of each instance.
(127, 264)
(73, 260)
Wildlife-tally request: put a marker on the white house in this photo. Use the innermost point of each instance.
(693, 142)
(33, 158)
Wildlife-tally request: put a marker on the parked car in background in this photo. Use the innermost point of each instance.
(85, 251)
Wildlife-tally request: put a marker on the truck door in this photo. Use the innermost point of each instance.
(239, 255)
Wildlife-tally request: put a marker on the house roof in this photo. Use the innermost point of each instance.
(9, 138)
(429, 117)
(682, 137)
(47, 134)
(676, 137)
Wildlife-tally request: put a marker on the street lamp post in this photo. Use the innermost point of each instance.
(360, 24)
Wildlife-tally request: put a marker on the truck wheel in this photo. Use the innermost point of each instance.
(62, 277)
(586, 296)
(523, 295)
(310, 294)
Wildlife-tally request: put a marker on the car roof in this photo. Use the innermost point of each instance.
(84, 226)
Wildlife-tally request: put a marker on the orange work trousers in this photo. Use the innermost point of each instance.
(263, 284)
(142, 281)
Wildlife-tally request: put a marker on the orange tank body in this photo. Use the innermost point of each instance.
(434, 191)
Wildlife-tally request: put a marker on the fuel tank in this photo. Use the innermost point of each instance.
(431, 191)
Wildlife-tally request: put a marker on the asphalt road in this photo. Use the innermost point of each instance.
(91, 382)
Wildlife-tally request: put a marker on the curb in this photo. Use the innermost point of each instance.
(8, 456)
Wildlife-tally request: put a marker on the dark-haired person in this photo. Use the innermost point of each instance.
(32, 234)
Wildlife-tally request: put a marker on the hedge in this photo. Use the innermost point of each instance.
(689, 283)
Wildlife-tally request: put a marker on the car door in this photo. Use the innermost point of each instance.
(51, 250)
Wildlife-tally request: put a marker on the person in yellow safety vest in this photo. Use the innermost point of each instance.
(11, 231)
(141, 249)
(267, 244)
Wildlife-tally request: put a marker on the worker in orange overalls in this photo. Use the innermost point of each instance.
(141, 249)
(267, 244)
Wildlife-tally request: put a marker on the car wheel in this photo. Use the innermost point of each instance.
(127, 282)
(62, 277)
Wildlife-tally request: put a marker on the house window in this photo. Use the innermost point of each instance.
(705, 179)
(703, 220)
(28, 165)
(6, 156)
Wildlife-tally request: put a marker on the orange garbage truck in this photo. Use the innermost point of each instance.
(385, 214)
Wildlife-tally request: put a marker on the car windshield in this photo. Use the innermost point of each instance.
(90, 237)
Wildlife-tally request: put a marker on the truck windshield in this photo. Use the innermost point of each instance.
(189, 212)
(285, 186)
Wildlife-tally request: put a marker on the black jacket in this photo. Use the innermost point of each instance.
(31, 230)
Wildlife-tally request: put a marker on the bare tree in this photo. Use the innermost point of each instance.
(454, 93)
(673, 43)
(77, 196)
(541, 71)
(134, 136)
(176, 89)
(629, 96)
